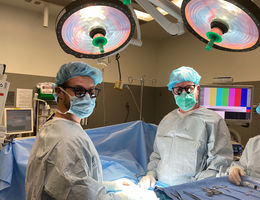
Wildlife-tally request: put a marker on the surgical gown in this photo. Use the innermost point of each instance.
(249, 160)
(64, 164)
(190, 146)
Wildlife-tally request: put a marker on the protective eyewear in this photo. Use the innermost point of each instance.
(188, 89)
(81, 92)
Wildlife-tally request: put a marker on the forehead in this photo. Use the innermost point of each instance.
(84, 81)
(183, 84)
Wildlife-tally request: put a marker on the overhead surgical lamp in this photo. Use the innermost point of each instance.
(230, 25)
(95, 28)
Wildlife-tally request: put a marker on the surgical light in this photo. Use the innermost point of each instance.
(230, 25)
(94, 28)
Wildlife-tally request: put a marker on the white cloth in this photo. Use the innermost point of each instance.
(190, 146)
(118, 185)
(249, 160)
(64, 164)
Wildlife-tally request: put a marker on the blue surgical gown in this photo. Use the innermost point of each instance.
(249, 160)
(190, 146)
(64, 164)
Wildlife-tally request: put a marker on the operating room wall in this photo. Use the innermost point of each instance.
(29, 48)
(187, 50)
(113, 106)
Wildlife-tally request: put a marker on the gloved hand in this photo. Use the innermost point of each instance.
(147, 181)
(235, 174)
(118, 185)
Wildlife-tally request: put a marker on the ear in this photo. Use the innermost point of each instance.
(197, 92)
(59, 92)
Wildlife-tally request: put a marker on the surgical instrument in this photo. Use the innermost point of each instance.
(191, 195)
(177, 195)
(250, 185)
(246, 194)
(215, 191)
(224, 187)
(211, 191)
(208, 191)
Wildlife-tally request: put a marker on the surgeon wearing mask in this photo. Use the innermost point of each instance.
(249, 163)
(191, 142)
(64, 163)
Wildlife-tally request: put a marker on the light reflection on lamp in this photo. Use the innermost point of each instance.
(231, 7)
(177, 2)
(224, 24)
(95, 28)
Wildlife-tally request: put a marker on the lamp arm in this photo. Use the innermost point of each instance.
(170, 27)
(137, 41)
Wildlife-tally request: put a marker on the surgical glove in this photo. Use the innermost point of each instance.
(235, 174)
(147, 181)
(117, 185)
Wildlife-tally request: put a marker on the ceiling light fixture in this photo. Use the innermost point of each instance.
(230, 25)
(94, 28)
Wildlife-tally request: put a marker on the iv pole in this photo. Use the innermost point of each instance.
(142, 80)
(141, 97)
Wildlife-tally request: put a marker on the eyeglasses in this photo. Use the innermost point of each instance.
(81, 92)
(178, 90)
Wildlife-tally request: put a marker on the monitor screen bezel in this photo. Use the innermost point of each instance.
(237, 121)
(18, 132)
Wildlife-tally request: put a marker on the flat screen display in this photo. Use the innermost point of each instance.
(230, 102)
(18, 120)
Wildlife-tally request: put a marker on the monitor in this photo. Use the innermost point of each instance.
(231, 102)
(18, 120)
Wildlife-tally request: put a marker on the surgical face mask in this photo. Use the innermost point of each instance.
(81, 107)
(258, 109)
(185, 101)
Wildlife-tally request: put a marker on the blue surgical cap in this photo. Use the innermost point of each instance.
(73, 69)
(183, 74)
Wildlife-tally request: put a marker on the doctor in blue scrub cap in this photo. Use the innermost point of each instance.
(191, 142)
(249, 163)
(64, 163)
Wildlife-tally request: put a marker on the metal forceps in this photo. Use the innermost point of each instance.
(208, 191)
(177, 195)
(191, 195)
(211, 191)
